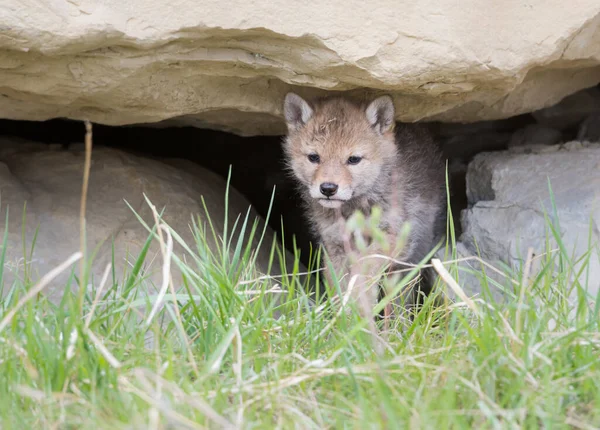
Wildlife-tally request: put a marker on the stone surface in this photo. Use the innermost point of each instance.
(228, 66)
(508, 194)
(483, 284)
(571, 110)
(48, 178)
(589, 130)
(535, 135)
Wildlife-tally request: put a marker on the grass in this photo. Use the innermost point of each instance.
(227, 350)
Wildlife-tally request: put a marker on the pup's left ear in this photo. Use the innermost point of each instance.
(380, 114)
(297, 111)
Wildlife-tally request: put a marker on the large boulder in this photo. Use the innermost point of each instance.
(509, 200)
(228, 65)
(48, 179)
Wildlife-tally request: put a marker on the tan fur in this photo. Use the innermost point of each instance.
(401, 171)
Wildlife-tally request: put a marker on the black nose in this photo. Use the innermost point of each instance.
(328, 189)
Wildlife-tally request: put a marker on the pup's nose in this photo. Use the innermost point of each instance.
(328, 189)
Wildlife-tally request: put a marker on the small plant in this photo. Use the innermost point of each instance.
(220, 346)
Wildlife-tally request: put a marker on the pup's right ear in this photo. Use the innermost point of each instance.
(297, 111)
(380, 114)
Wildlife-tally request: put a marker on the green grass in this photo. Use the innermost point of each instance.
(221, 359)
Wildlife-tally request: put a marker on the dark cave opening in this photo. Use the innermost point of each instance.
(257, 162)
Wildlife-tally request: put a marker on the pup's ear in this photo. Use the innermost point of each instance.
(380, 114)
(297, 111)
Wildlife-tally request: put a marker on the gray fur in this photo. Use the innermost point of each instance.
(405, 175)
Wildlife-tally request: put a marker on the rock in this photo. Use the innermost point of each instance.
(228, 67)
(475, 279)
(48, 178)
(589, 130)
(534, 135)
(508, 198)
(571, 110)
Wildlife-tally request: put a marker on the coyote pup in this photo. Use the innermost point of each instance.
(348, 157)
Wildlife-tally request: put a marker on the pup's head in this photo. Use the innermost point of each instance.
(338, 149)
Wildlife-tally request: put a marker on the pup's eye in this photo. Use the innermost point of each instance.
(314, 158)
(354, 159)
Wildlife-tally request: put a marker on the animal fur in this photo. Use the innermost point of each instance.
(399, 169)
